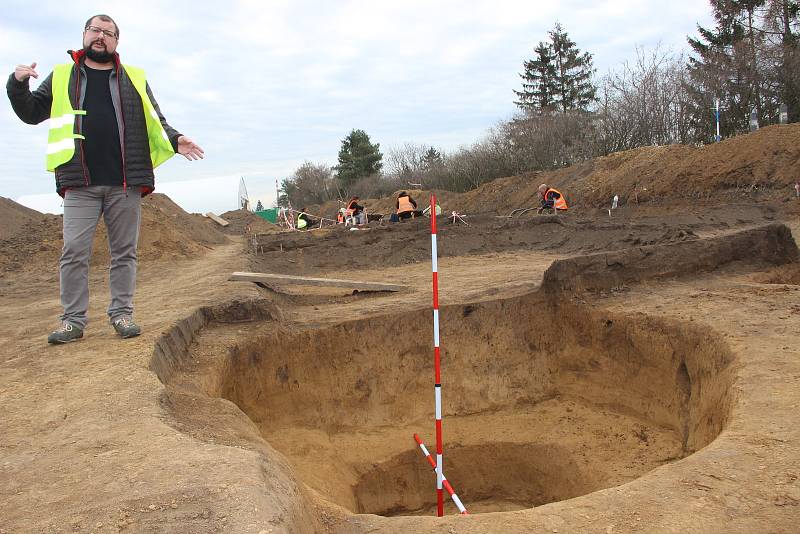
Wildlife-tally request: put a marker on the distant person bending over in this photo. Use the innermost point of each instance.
(551, 198)
(355, 211)
(107, 134)
(304, 220)
(405, 205)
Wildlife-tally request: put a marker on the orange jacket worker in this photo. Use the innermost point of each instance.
(552, 198)
(405, 205)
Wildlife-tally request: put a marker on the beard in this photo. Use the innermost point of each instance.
(100, 56)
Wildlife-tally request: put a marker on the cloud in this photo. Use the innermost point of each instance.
(264, 86)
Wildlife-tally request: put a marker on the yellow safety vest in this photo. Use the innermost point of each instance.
(61, 137)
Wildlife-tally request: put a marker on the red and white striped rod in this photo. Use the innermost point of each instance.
(437, 364)
(445, 483)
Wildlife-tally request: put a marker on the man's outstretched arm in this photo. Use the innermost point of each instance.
(31, 107)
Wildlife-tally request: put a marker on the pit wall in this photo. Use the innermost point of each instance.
(675, 374)
(183, 387)
(171, 350)
(495, 355)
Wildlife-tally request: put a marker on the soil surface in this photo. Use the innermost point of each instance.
(632, 372)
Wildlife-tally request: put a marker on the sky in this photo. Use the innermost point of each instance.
(263, 86)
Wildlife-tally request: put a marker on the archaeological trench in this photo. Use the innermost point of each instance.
(545, 398)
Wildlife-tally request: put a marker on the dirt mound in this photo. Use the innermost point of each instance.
(757, 166)
(166, 232)
(763, 165)
(771, 244)
(242, 220)
(14, 216)
(159, 209)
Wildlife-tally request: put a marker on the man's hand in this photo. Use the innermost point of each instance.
(188, 148)
(23, 72)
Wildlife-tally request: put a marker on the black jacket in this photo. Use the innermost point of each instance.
(137, 169)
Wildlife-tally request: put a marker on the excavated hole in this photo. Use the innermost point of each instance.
(495, 476)
(542, 402)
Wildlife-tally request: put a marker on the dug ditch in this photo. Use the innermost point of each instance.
(544, 399)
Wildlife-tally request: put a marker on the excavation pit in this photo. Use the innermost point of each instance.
(495, 475)
(542, 401)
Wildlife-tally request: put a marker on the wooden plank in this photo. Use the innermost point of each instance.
(268, 278)
(217, 219)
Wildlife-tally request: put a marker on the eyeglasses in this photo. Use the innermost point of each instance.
(97, 31)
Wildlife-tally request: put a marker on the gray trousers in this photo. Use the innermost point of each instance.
(121, 212)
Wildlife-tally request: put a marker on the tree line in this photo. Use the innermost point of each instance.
(748, 64)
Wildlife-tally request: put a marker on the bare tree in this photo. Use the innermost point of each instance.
(549, 141)
(406, 162)
(311, 183)
(644, 103)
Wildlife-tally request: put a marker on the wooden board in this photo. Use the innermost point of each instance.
(267, 278)
(217, 219)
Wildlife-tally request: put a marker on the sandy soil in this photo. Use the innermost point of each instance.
(92, 436)
(656, 395)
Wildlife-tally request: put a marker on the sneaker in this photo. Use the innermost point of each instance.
(126, 328)
(65, 334)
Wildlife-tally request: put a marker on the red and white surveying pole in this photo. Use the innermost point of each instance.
(437, 364)
(445, 483)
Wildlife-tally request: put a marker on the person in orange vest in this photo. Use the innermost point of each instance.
(355, 211)
(551, 198)
(405, 205)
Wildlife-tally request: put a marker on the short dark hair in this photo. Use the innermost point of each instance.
(104, 18)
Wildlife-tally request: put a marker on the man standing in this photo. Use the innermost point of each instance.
(106, 135)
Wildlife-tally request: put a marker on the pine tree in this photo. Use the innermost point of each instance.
(287, 191)
(559, 78)
(574, 89)
(358, 158)
(432, 158)
(729, 65)
(539, 81)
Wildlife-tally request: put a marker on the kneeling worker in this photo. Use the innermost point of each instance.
(304, 220)
(354, 212)
(405, 205)
(551, 198)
